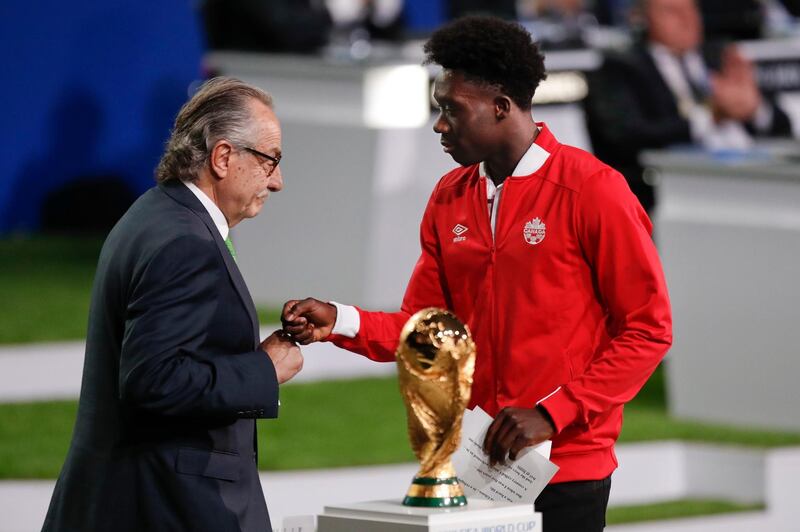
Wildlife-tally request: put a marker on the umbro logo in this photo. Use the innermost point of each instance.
(459, 231)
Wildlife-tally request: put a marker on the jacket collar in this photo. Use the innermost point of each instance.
(536, 156)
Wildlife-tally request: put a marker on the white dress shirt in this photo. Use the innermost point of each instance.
(216, 215)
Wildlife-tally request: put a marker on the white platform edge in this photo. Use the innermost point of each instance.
(392, 510)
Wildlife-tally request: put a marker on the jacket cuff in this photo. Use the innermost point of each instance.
(562, 409)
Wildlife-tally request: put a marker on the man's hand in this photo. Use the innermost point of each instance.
(734, 91)
(285, 355)
(514, 429)
(309, 320)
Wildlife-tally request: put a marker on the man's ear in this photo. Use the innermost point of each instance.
(220, 158)
(502, 107)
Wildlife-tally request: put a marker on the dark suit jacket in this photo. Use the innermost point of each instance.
(172, 381)
(630, 108)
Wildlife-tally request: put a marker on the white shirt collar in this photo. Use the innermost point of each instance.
(213, 211)
(532, 161)
(668, 65)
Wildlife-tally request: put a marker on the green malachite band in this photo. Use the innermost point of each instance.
(435, 502)
(427, 481)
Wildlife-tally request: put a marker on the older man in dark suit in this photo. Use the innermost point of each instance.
(663, 92)
(175, 373)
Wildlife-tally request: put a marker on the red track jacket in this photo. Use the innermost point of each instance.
(566, 302)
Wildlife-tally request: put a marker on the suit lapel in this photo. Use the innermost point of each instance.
(180, 193)
(659, 87)
(236, 277)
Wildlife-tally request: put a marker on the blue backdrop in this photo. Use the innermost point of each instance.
(89, 89)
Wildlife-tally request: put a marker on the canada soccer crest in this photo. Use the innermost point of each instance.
(534, 231)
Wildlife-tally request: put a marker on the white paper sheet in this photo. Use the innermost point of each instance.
(519, 481)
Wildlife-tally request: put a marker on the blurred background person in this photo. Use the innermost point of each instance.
(357, 23)
(669, 89)
(375, 19)
(747, 19)
(729, 19)
(558, 23)
(274, 25)
(506, 9)
(613, 12)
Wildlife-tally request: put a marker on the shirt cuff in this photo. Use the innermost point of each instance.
(348, 321)
(563, 411)
(763, 117)
(701, 124)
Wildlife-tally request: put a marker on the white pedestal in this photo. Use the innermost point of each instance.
(392, 516)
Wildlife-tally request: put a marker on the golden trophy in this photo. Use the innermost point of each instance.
(435, 362)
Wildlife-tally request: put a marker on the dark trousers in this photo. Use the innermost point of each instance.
(574, 506)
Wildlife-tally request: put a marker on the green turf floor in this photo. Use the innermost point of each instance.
(329, 424)
(683, 508)
(45, 283)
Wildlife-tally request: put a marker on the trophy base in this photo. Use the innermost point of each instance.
(435, 493)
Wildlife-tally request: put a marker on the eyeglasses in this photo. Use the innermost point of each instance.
(274, 161)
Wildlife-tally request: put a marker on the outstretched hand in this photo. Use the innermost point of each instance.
(309, 320)
(514, 429)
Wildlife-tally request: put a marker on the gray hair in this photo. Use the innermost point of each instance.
(220, 109)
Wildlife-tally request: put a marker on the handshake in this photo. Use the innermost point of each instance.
(304, 322)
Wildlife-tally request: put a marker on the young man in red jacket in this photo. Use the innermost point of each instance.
(545, 253)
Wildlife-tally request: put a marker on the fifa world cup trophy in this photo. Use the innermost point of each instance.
(435, 362)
